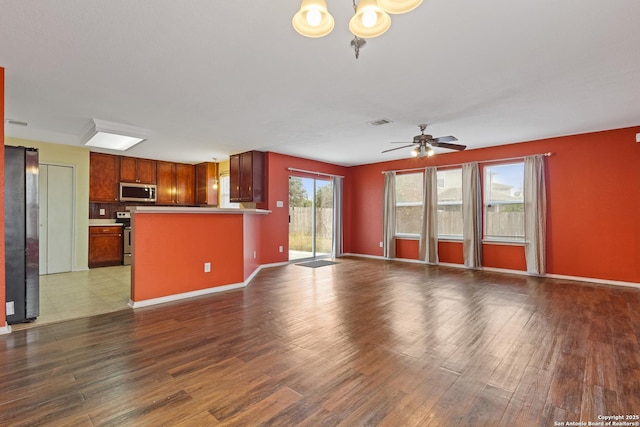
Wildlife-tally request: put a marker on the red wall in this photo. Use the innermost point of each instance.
(3, 314)
(593, 194)
(275, 226)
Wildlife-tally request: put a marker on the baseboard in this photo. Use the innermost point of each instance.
(185, 295)
(516, 272)
(6, 329)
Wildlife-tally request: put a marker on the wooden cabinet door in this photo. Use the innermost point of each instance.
(185, 184)
(128, 169)
(246, 177)
(137, 170)
(165, 180)
(234, 178)
(207, 184)
(105, 246)
(146, 171)
(104, 177)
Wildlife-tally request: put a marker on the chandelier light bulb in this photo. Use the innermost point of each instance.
(369, 18)
(314, 17)
(415, 152)
(430, 152)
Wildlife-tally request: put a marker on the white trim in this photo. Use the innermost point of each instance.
(202, 292)
(590, 280)
(6, 329)
(508, 271)
(380, 257)
(176, 297)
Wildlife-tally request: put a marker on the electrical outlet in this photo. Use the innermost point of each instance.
(10, 308)
(255, 255)
(279, 204)
(381, 245)
(102, 212)
(280, 248)
(207, 267)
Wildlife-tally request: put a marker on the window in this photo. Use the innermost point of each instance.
(450, 203)
(225, 192)
(504, 202)
(409, 203)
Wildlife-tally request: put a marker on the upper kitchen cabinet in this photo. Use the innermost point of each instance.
(207, 184)
(246, 177)
(175, 183)
(133, 169)
(104, 177)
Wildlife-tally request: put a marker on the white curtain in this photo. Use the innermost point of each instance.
(389, 215)
(429, 231)
(471, 215)
(337, 215)
(535, 214)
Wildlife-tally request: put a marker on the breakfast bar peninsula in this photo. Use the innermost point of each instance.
(180, 252)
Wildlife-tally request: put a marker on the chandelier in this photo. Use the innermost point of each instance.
(371, 18)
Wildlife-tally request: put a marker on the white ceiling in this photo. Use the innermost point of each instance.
(211, 78)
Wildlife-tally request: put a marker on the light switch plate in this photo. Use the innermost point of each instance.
(279, 204)
(10, 308)
(102, 212)
(207, 267)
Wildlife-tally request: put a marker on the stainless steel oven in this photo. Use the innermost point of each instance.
(124, 218)
(126, 252)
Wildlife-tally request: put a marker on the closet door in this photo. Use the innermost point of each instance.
(56, 218)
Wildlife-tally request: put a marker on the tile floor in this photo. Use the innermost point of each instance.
(65, 296)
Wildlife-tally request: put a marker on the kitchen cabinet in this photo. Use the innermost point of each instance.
(175, 183)
(105, 246)
(104, 177)
(142, 171)
(246, 177)
(207, 184)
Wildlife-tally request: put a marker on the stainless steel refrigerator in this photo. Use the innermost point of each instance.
(21, 234)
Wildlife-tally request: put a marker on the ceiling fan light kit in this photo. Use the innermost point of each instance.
(371, 18)
(423, 144)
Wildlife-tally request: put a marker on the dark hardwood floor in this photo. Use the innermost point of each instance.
(362, 342)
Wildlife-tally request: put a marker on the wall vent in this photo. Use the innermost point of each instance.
(15, 122)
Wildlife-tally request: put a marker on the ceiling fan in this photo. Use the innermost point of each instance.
(425, 144)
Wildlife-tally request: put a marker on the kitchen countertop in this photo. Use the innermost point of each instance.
(194, 210)
(104, 222)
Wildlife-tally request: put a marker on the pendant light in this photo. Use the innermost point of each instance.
(398, 6)
(370, 20)
(313, 19)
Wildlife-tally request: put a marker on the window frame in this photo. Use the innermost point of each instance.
(509, 240)
(449, 237)
(407, 236)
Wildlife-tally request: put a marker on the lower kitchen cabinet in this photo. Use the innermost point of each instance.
(105, 246)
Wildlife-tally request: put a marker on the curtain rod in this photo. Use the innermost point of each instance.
(313, 173)
(547, 154)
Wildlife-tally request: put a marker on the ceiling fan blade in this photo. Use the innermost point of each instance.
(397, 148)
(449, 146)
(401, 142)
(445, 139)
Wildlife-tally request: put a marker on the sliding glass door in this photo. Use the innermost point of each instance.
(310, 217)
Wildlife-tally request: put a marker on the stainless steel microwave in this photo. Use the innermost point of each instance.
(130, 192)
